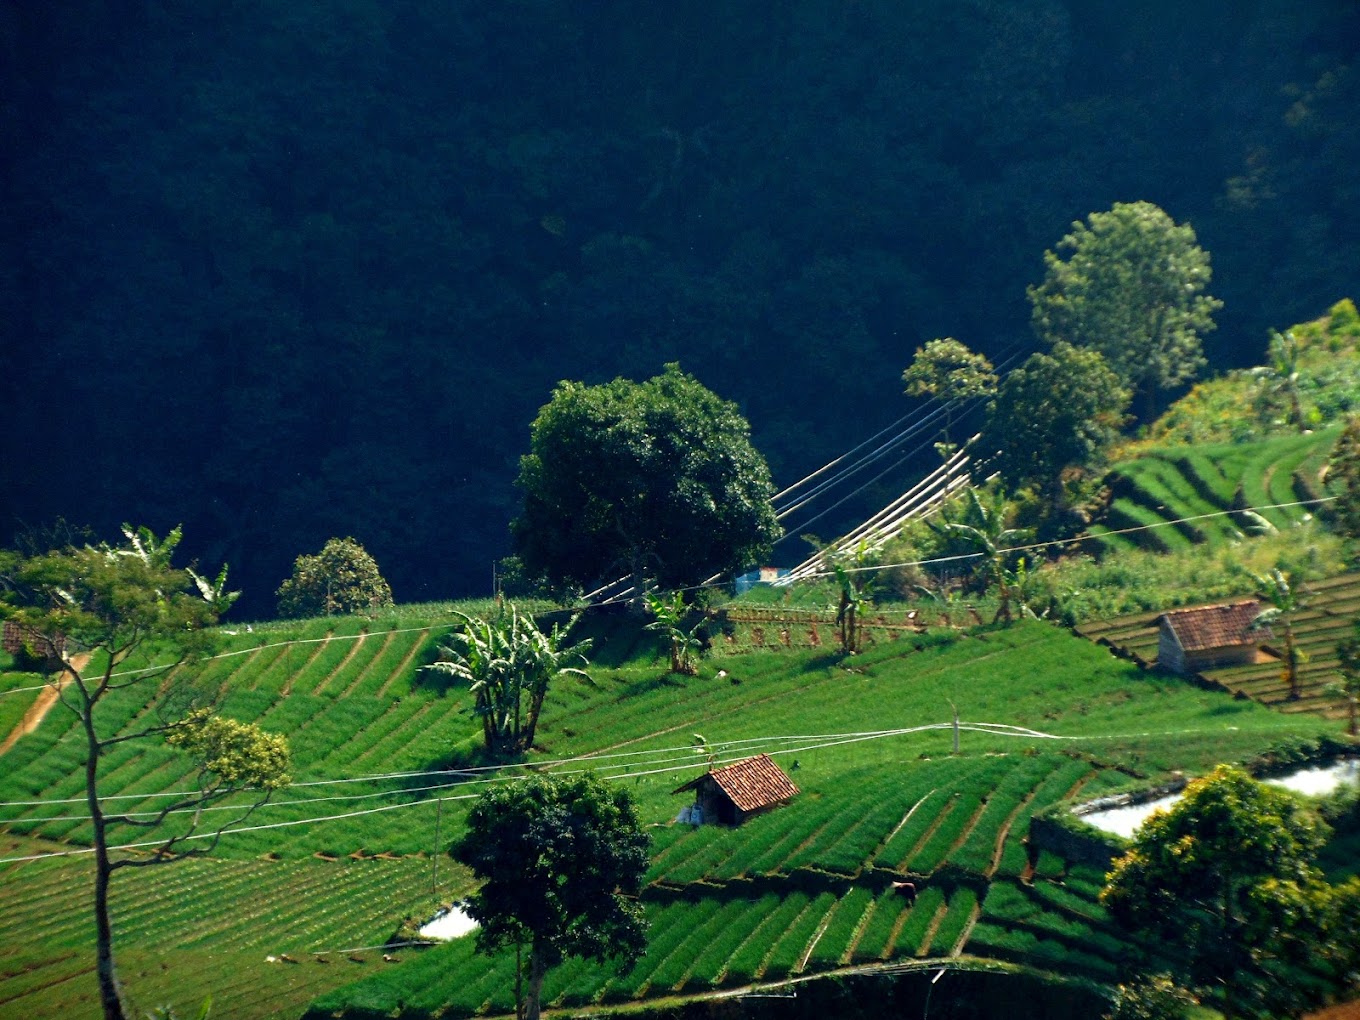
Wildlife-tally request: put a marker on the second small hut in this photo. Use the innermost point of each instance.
(733, 793)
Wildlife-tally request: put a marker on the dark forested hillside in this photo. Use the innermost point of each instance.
(287, 271)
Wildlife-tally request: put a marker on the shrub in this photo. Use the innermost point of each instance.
(342, 578)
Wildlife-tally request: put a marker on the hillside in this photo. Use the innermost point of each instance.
(1233, 442)
(343, 859)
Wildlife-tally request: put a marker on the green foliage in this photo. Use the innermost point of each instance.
(856, 588)
(1348, 666)
(1280, 380)
(232, 754)
(1343, 478)
(1130, 286)
(654, 480)
(559, 859)
(342, 578)
(1311, 374)
(948, 370)
(1224, 880)
(1057, 411)
(983, 527)
(1155, 997)
(669, 618)
(509, 665)
(127, 606)
(1283, 602)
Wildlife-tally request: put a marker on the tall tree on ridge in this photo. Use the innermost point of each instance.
(1129, 283)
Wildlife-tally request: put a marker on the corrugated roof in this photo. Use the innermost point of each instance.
(752, 783)
(1222, 626)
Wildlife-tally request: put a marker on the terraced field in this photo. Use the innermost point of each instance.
(1331, 608)
(1177, 496)
(383, 763)
(808, 888)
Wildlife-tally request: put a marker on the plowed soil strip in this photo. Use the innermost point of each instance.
(405, 664)
(340, 667)
(41, 705)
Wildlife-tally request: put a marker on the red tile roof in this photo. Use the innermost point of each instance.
(752, 783)
(1221, 626)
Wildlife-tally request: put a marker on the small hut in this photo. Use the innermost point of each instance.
(28, 643)
(1190, 640)
(733, 793)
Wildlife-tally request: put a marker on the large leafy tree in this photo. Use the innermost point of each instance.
(509, 664)
(1129, 283)
(1224, 883)
(128, 618)
(1057, 411)
(341, 578)
(654, 480)
(561, 860)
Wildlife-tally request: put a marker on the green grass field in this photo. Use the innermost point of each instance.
(1169, 498)
(343, 857)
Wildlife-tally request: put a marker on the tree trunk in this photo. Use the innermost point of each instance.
(103, 929)
(538, 970)
(1292, 658)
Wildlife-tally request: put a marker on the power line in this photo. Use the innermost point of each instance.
(822, 741)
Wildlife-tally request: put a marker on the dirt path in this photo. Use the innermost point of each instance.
(37, 711)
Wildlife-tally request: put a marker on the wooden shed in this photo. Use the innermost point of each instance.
(1189, 640)
(22, 640)
(733, 793)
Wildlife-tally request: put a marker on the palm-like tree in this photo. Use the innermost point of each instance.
(669, 619)
(1284, 602)
(504, 659)
(853, 595)
(1282, 375)
(983, 527)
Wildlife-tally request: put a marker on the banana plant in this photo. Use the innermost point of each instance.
(983, 527)
(669, 615)
(1284, 602)
(509, 665)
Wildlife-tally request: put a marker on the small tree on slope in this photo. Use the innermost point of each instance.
(561, 860)
(128, 606)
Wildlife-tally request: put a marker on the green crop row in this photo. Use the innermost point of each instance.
(1003, 803)
(879, 926)
(839, 934)
(712, 962)
(962, 906)
(747, 962)
(786, 956)
(910, 940)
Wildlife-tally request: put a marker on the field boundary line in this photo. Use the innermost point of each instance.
(293, 674)
(928, 936)
(319, 689)
(1005, 832)
(906, 818)
(401, 667)
(822, 926)
(930, 830)
(359, 677)
(967, 933)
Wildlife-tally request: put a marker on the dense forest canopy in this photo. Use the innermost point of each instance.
(281, 272)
